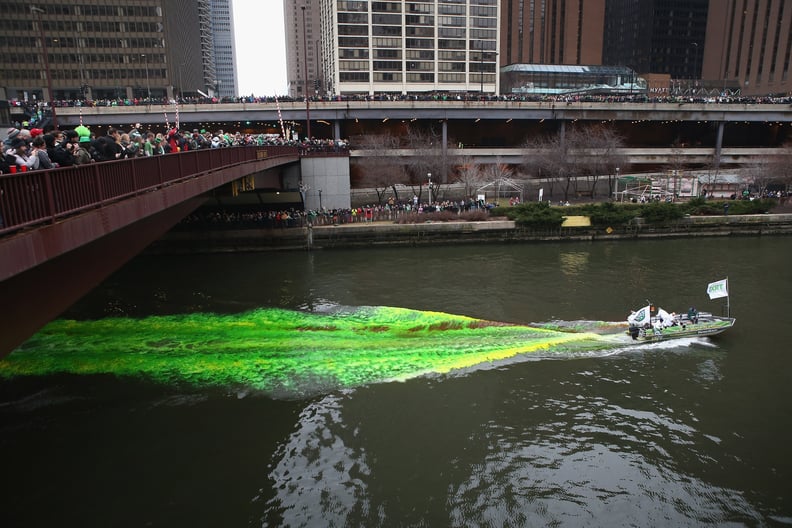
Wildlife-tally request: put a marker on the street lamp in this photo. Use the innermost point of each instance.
(148, 84)
(320, 199)
(429, 175)
(305, 73)
(38, 11)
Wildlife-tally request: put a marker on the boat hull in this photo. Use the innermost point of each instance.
(707, 325)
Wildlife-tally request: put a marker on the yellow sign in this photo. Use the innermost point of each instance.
(576, 221)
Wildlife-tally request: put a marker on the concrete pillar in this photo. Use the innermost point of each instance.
(337, 130)
(444, 176)
(719, 144)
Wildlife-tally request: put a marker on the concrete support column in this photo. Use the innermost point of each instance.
(562, 133)
(719, 144)
(444, 176)
(336, 130)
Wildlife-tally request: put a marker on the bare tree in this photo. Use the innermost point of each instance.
(469, 173)
(543, 158)
(427, 159)
(380, 171)
(779, 167)
(606, 144)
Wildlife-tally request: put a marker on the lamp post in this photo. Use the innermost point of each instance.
(181, 86)
(148, 84)
(429, 175)
(305, 73)
(38, 11)
(320, 199)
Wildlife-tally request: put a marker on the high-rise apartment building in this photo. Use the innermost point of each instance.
(106, 49)
(303, 48)
(748, 45)
(222, 16)
(397, 46)
(657, 36)
(552, 32)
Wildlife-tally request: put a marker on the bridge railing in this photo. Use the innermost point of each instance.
(33, 198)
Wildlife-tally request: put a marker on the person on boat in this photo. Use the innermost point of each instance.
(658, 327)
(693, 315)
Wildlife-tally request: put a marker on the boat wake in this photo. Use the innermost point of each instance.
(295, 354)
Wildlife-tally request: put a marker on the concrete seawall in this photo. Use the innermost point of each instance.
(383, 234)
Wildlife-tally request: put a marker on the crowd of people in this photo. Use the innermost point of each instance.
(391, 211)
(37, 149)
(426, 96)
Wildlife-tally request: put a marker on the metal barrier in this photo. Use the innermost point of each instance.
(37, 197)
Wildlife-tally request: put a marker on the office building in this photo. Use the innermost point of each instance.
(222, 16)
(108, 49)
(401, 46)
(303, 48)
(748, 46)
(656, 36)
(552, 32)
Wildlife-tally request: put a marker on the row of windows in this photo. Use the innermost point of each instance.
(29, 74)
(86, 42)
(56, 59)
(66, 9)
(396, 7)
(415, 43)
(416, 66)
(363, 77)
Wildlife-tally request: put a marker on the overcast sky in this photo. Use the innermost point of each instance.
(260, 47)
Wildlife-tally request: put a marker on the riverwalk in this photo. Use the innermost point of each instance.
(386, 234)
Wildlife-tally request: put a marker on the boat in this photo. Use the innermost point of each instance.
(650, 324)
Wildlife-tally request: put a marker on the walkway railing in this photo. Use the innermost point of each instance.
(33, 198)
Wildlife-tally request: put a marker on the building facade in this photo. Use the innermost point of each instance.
(748, 46)
(303, 48)
(405, 46)
(552, 32)
(222, 16)
(108, 49)
(656, 36)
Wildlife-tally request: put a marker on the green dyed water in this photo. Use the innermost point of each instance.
(283, 352)
(241, 390)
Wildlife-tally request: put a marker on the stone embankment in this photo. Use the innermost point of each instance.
(384, 234)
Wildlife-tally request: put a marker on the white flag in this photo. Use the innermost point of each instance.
(718, 289)
(640, 317)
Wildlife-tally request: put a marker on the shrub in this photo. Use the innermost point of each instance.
(661, 212)
(610, 213)
(538, 215)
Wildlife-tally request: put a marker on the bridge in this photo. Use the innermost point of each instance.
(65, 230)
(505, 122)
(490, 130)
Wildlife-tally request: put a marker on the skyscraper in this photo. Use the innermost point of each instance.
(749, 45)
(398, 46)
(303, 70)
(222, 15)
(656, 36)
(552, 32)
(105, 49)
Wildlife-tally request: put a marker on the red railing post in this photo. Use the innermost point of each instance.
(50, 196)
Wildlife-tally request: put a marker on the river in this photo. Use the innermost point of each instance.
(680, 434)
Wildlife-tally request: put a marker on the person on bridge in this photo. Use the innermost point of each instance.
(20, 155)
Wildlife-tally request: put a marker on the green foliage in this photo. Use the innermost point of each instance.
(661, 212)
(700, 206)
(538, 215)
(610, 213)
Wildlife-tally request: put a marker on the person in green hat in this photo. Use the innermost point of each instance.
(82, 155)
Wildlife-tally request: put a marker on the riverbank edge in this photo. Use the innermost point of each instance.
(386, 234)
